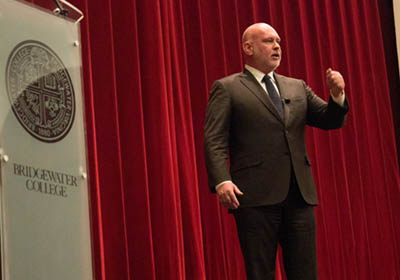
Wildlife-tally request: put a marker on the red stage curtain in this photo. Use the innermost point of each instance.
(148, 67)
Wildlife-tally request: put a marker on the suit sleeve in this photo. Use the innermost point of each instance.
(216, 135)
(324, 115)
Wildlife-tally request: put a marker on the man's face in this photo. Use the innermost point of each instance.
(265, 47)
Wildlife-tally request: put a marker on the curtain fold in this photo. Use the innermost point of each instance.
(148, 67)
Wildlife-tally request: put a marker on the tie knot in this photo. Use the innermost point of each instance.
(266, 78)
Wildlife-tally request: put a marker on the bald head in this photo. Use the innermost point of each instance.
(261, 47)
(253, 30)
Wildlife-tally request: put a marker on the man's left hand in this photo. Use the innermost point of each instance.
(335, 82)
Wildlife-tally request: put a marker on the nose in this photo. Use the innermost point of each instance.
(276, 45)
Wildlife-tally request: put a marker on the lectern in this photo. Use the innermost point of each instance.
(44, 201)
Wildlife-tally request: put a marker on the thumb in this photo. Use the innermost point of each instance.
(237, 191)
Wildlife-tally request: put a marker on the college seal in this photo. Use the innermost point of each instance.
(40, 91)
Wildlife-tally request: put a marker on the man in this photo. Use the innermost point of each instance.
(256, 120)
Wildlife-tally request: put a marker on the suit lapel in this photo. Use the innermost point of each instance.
(248, 80)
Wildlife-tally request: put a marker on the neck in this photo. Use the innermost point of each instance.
(259, 68)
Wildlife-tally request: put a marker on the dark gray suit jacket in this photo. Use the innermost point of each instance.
(243, 127)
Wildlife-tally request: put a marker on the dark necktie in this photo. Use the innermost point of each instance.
(273, 94)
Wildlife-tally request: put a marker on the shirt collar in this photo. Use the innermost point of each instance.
(258, 74)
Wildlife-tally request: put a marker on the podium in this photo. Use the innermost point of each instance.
(44, 200)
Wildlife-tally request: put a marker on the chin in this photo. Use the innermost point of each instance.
(276, 65)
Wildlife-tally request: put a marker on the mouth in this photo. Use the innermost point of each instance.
(276, 56)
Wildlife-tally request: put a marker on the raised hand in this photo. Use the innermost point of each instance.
(335, 82)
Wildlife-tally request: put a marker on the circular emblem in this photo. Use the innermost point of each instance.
(40, 91)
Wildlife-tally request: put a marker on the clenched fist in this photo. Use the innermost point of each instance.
(335, 82)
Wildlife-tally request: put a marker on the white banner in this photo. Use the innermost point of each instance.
(45, 225)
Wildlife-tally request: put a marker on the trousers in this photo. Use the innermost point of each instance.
(291, 224)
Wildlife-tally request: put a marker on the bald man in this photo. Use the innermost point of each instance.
(256, 120)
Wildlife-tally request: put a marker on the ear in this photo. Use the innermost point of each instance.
(248, 48)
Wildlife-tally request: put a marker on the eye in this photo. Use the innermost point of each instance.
(268, 40)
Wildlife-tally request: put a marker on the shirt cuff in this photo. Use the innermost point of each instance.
(339, 100)
(223, 182)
